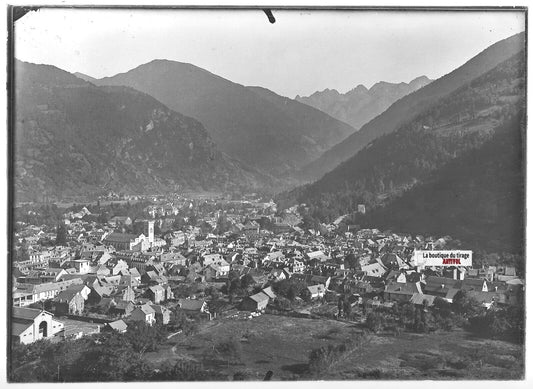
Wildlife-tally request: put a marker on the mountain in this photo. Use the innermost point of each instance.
(360, 105)
(408, 107)
(74, 138)
(319, 128)
(477, 198)
(256, 126)
(392, 164)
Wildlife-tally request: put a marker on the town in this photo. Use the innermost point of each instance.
(182, 263)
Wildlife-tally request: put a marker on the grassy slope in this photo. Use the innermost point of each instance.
(283, 344)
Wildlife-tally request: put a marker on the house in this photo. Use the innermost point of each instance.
(22, 298)
(317, 291)
(193, 305)
(117, 325)
(255, 302)
(98, 293)
(451, 294)
(360, 287)
(484, 298)
(315, 280)
(215, 271)
(82, 266)
(122, 308)
(34, 293)
(156, 294)
(144, 313)
(156, 267)
(124, 292)
(269, 292)
(274, 256)
(420, 299)
(374, 269)
(128, 280)
(457, 273)
(162, 314)
(120, 220)
(401, 291)
(29, 325)
(69, 302)
(208, 259)
(474, 284)
(295, 266)
(439, 286)
(396, 276)
(149, 277)
(82, 289)
(52, 274)
(277, 275)
(120, 266)
(110, 280)
(392, 261)
(318, 256)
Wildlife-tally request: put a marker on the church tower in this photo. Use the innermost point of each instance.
(150, 232)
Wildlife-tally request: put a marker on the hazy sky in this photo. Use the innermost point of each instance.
(299, 54)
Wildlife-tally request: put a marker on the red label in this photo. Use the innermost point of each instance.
(451, 261)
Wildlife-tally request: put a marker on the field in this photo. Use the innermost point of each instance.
(282, 345)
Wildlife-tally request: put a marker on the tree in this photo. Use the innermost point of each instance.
(340, 305)
(222, 224)
(109, 359)
(351, 261)
(247, 281)
(347, 308)
(374, 321)
(61, 236)
(22, 254)
(289, 288)
(465, 305)
(143, 337)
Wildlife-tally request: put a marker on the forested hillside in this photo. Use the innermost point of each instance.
(477, 198)
(73, 138)
(256, 126)
(392, 164)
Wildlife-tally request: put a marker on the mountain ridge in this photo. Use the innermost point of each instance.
(74, 138)
(393, 163)
(273, 134)
(411, 105)
(477, 198)
(361, 104)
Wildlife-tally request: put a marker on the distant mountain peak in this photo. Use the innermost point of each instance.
(360, 104)
(252, 124)
(127, 140)
(420, 78)
(327, 91)
(85, 77)
(358, 89)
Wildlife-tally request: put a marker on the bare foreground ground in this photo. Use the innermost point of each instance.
(282, 345)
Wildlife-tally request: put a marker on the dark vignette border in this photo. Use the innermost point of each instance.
(14, 13)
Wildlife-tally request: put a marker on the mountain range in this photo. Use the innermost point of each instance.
(254, 125)
(360, 105)
(410, 106)
(395, 162)
(404, 177)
